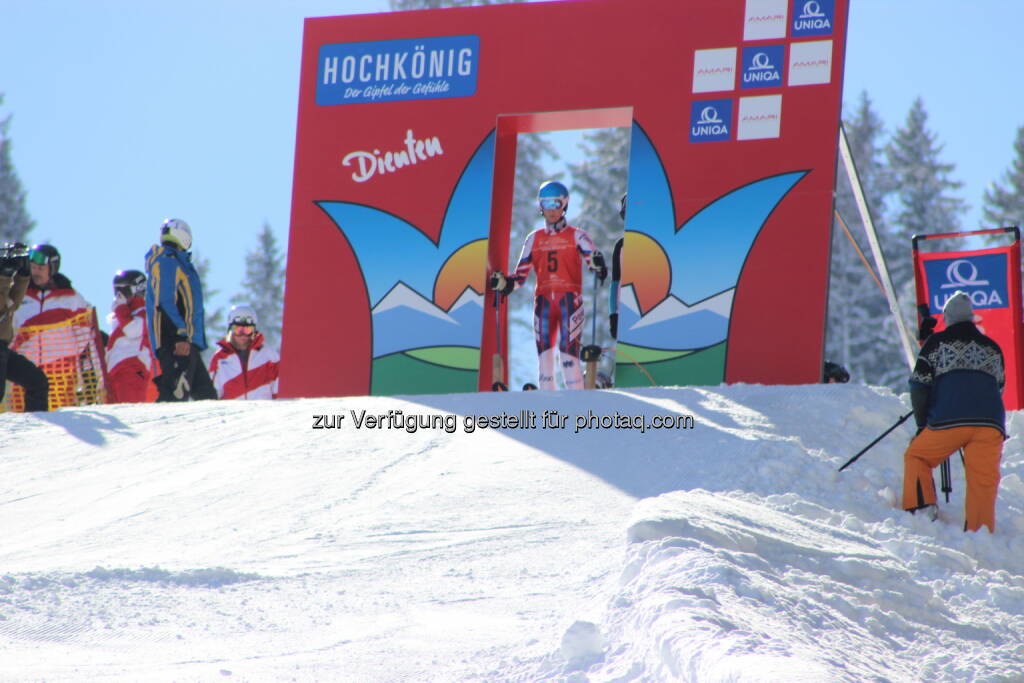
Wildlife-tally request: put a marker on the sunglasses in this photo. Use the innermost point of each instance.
(244, 330)
(551, 203)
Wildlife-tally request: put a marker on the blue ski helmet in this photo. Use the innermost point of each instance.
(551, 191)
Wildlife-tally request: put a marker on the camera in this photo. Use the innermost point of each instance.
(13, 257)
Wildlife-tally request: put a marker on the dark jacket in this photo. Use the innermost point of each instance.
(12, 291)
(958, 380)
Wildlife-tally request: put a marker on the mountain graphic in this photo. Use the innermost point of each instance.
(405, 320)
(707, 252)
(673, 325)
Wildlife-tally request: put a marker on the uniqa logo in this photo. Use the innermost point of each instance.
(708, 115)
(956, 276)
(709, 123)
(369, 164)
(812, 10)
(761, 61)
(812, 17)
(761, 69)
(979, 299)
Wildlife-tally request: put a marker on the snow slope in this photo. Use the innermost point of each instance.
(232, 541)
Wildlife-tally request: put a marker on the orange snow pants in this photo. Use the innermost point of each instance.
(983, 449)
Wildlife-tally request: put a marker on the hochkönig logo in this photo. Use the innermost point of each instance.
(390, 70)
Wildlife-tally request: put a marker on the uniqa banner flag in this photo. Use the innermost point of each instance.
(991, 277)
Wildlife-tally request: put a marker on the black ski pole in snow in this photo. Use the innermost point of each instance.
(592, 352)
(497, 364)
(946, 486)
(880, 437)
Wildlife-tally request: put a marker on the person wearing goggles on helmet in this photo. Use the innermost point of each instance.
(174, 316)
(244, 367)
(129, 357)
(556, 253)
(50, 329)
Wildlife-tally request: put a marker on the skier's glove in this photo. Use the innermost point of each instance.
(598, 266)
(613, 325)
(928, 322)
(501, 284)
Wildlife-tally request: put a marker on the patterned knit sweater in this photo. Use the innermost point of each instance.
(958, 380)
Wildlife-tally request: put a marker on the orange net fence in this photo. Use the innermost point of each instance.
(71, 354)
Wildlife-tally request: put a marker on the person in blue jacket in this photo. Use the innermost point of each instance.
(174, 316)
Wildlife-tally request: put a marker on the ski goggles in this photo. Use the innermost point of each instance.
(551, 203)
(244, 330)
(38, 257)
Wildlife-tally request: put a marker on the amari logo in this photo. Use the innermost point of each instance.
(813, 17)
(710, 120)
(762, 66)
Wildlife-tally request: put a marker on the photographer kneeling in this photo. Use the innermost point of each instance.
(14, 279)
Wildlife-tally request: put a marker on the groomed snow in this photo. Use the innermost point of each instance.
(232, 541)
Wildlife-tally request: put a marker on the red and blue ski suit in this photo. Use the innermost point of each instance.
(556, 253)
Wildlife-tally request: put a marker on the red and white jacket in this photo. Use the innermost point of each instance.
(128, 345)
(45, 307)
(556, 253)
(256, 380)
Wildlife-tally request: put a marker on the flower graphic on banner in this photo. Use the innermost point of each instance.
(426, 297)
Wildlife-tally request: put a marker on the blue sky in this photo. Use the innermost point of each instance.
(127, 112)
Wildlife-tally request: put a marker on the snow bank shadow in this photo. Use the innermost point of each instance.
(621, 435)
(116, 605)
(721, 587)
(214, 577)
(86, 425)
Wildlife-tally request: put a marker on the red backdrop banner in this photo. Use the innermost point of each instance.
(991, 277)
(404, 163)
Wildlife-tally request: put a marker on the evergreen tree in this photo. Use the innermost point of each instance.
(263, 286)
(214, 317)
(15, 222)
(1004, 202)
(925, 203)
(923, 189)
(533, 150)
(857, 304)
(598, 183)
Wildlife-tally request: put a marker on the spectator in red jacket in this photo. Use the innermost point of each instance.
(244, 367)
(58, 349)
(129, 357)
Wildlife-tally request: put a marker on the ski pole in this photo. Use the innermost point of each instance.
(591, 353)
(593, 318)
(497, 363)
(880, 437)
(946, 486)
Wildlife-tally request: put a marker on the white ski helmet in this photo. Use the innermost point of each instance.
(176, 231)
(242, 315)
